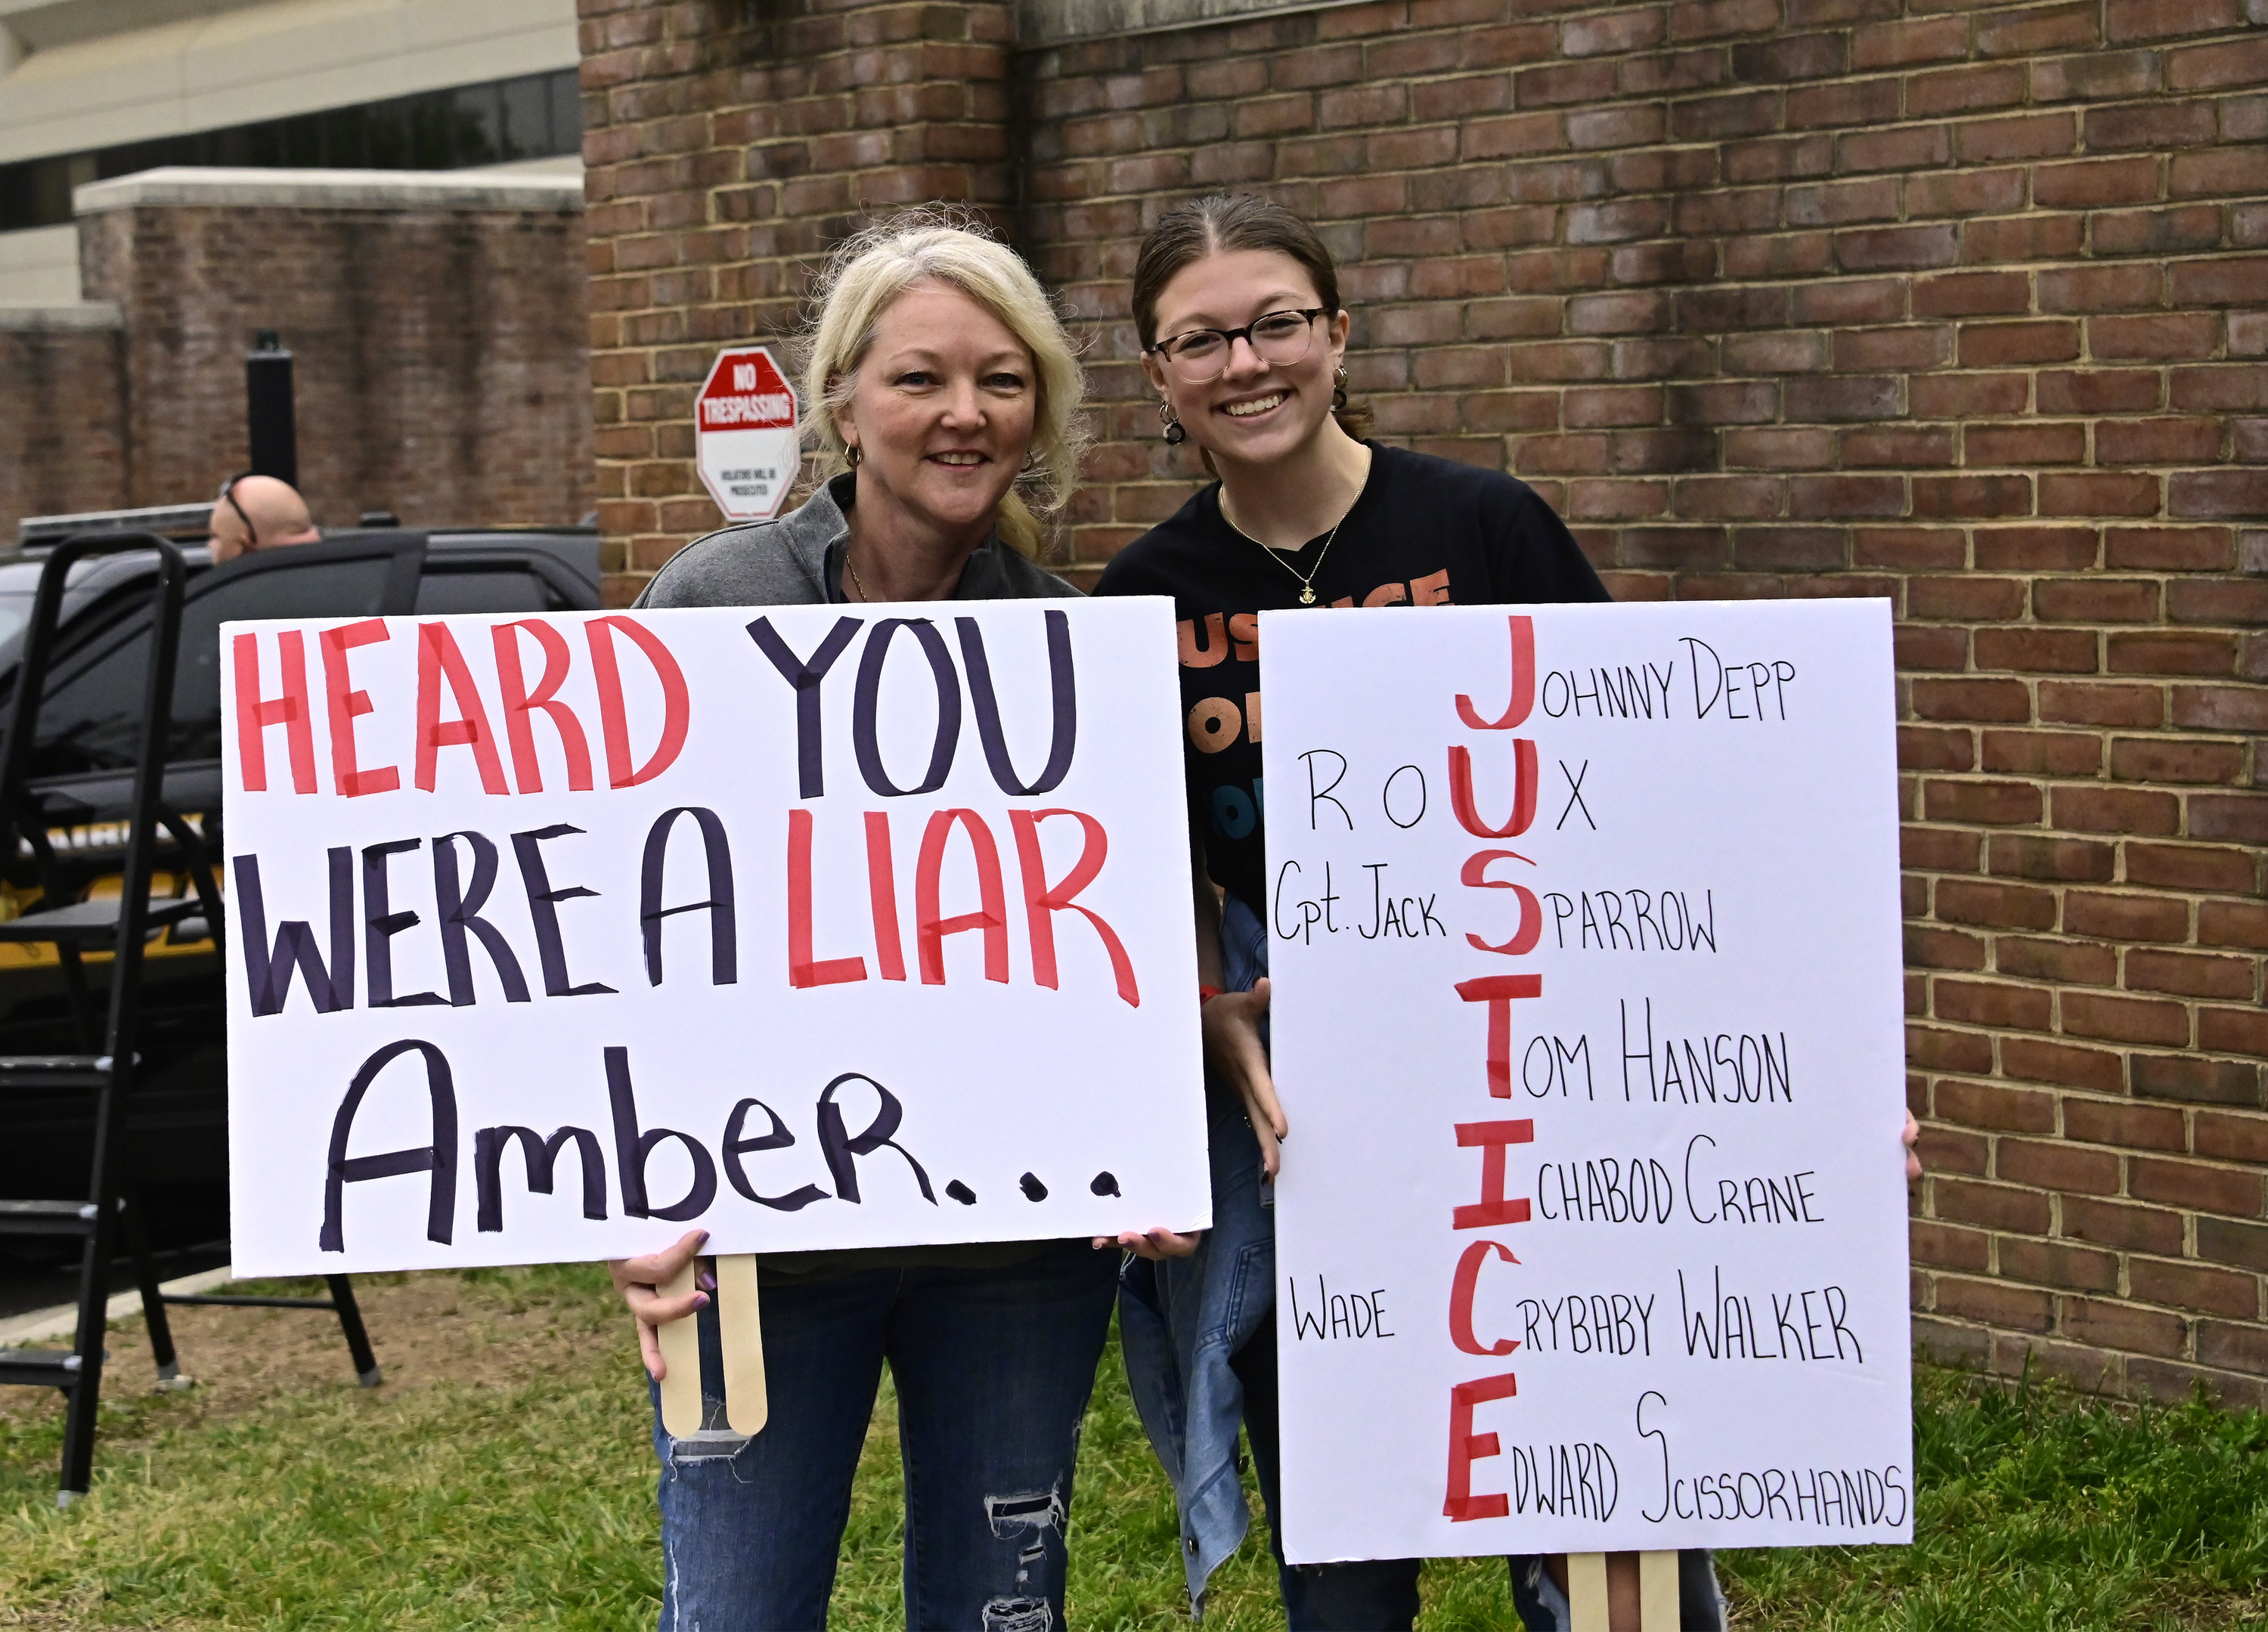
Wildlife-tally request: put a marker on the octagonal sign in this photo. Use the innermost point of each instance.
(744, 432)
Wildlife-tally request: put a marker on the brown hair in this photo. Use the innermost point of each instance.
(1225, 221)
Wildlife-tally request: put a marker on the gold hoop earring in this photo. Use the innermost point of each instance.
(850, 454)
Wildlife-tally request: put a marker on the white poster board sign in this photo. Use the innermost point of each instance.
(553, 936)
(1591, 1234)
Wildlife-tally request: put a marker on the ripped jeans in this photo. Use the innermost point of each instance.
(992, 1367)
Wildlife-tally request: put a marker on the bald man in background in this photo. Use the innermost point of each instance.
(258, 513)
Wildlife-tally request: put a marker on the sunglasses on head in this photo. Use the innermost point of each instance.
(228, 497)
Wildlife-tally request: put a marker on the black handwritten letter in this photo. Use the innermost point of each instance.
(439, 1157)
(724, 956)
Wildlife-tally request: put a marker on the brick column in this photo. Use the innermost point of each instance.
(723, 163)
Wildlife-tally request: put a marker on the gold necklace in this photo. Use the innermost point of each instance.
(857, 582)
(1308, 580)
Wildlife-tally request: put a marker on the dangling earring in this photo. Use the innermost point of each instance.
(1338, 387)
(1176, 433)
(850, 455)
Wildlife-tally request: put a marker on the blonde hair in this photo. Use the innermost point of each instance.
(940, 245)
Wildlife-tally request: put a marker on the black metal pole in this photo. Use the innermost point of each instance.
(267, 420)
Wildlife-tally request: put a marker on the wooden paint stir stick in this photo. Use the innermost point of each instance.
(747, 1407)
(1657, 1592)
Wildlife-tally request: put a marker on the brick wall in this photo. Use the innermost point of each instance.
(722, 158)
(1966, 306)
(61, 439)
(438, 356)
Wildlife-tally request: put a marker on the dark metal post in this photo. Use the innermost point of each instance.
(267, 420)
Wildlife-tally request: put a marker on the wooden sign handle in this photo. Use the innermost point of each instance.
(746, 1405)
(1657, 1592)
(680, 1360)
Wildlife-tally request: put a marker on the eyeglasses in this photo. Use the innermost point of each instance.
(1282, 338)
(228, 497)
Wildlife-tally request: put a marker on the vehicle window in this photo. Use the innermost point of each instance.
(510, 590)
(91, 712)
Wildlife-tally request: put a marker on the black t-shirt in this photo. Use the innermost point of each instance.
(1425, 532)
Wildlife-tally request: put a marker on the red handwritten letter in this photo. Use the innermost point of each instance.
(254, 713)
(1466, 1447)
(802, 969)
(517, 703)
(1041, 902)
(346, 703)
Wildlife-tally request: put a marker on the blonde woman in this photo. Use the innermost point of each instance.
(944, 390)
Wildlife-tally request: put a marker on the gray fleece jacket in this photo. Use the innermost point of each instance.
(797, 561)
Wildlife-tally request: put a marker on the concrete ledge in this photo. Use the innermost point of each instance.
(40, 320)
(63, 1321)
(1059, 22)
(190, 186)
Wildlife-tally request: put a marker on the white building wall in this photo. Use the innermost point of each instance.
(158, 69)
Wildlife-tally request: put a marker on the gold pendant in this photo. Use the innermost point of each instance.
(1306, 594)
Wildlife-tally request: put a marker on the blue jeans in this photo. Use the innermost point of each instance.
(993, 1367)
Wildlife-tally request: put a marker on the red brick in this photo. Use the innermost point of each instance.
(2037, 651)
(2191, 974)
(1972, 495)
(2046, 1263)
(2124, 1124)
(2036, 1059)
(2115, 810)
(2012, 1307)
(1943, 1246)
(2233, 923)
(2149, 758)
(2233, 1031)
(1942, 949)
(2223, 1241)
(2166, 442)
(2074, 494)
(2040, 753)
(2194, 1186)
(2101, 391)
(2035, 549)
(2073, 962)
(2232, 1138)
(2124, 1019)
(2129, 1229)
(1997, 1207)
(2153, 652)
(1983, 802)
(2024, 445)
(2125, 918)
(1987, 701)
(1978, 1002)
(1939, 849)
(2200, 867)
(2120, 1325)
(2244, 1348)
(2240, 817)
(1931, 1048)
(2194, 1286)
(1995, 906)
(2187, 335)
(2170, 549)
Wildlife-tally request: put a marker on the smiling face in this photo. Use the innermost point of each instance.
(941, 412)
(1255, 412)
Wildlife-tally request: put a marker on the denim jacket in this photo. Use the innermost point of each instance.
(1181, 1319)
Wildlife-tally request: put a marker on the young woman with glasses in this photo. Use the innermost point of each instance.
(1236, 302)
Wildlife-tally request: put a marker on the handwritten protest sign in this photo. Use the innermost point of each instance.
(555, 937)
(1591, 1233)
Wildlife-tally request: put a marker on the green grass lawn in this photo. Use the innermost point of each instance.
(518, 1492)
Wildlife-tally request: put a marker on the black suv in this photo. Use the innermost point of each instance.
(87, 729)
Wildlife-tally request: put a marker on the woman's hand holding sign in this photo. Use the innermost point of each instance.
(640, 1281)
(1231, 1042)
